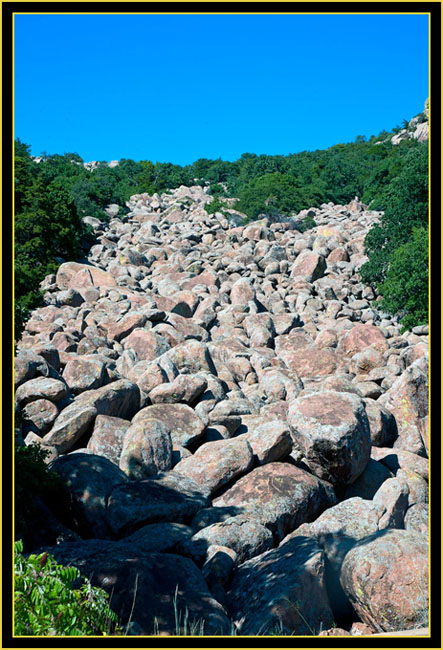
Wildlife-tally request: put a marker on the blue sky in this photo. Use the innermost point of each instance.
(182, 87)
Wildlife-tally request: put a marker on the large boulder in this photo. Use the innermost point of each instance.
(70, 426)
(184, 388)
(193, 356)
(281, 591)
(75, 275)
(147, 344)
(41, 388)
(280, 496)
(417, 486)
(89, 479)
(417, 518)
(393, 495)
(396, 459)
(337, 530)
(168, 497)
(146, 449)
(386, 578)
(270, 440)
(38, 416)
(382, 424)
(332, 430)
(185, 426)
(242, 292)
(121, 399)
(152, 593)
(369, 481)
(216, 463)
(309, 265)
(407, 400)
(28, 364)
(312, 362)
(244, 535)
(84, 373)
(353, 518)
(360, 337)
(107, 437)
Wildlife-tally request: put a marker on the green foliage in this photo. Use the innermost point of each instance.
(217, 189)
(405, 202)
(307, 224)
(405, 290)
(53, 600)
(216, 205)
(33, 480)
(47, 225)
(271, 195)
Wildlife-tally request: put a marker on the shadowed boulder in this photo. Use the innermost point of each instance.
(369, 481)
(244, 535)
(167, 497)
(281, 591)
(89, 480)
(143, 587)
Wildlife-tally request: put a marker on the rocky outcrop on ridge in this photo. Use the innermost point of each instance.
(417, 128)
(242, 434)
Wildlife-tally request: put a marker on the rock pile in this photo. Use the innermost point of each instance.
(242, 433)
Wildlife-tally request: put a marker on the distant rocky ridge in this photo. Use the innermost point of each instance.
(418, 128)
(236, 422)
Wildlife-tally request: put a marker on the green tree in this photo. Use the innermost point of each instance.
(47, 225)
(406, 287)
(405, 202)
(272, 195)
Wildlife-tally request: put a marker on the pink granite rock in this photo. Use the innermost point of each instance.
(386, 578)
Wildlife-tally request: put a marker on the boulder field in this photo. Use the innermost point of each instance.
(242, 433)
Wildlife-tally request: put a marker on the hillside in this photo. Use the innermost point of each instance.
(241, 431)
(221, 390)
(388, 172)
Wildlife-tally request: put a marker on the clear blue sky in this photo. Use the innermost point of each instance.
(182, 87)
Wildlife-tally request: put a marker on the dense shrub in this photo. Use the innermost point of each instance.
(53, 600)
